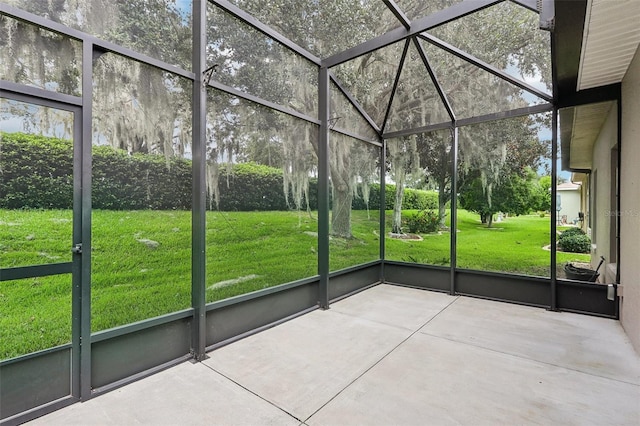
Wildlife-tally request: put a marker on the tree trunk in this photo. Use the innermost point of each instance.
(442, 203)
(341, 211)
(489, 220)
(396, 226)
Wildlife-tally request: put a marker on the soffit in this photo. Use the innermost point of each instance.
(587, 123)
(610, 39)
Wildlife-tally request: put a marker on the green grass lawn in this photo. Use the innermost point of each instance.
(141, 261)
(514, 245)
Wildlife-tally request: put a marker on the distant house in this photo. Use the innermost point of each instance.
(569, 202)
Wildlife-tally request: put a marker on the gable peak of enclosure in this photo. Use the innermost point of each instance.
(475, 58)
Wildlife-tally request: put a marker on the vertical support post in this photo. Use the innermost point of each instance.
(382, 207)
(198, 217)
(454, 210)
(618, 206)
(85, 274)
(323, 187)
(554, 213)
(618, 184)
(76, 275)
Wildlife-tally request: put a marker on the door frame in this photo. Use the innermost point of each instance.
(80, 260)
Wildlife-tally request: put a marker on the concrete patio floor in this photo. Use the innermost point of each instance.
(395, 356)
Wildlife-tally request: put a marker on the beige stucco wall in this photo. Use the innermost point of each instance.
(601, 177)
(630, 203)
(569, 203)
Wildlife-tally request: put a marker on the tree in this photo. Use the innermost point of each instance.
(136, 107)
(254, 63)
(143, 110)
(514, 194)
(436, 159)
(505, 36)
(544, 184)
(404, 159)
(496, 157)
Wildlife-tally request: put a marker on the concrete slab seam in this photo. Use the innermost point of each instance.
(379, 360)
(253, 393)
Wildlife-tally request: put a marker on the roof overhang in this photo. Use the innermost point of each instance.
(594, 42)
(579, 178)
(579, 129)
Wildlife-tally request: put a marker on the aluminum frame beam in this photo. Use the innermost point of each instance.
(248, 97)
(32, 271)
(453, 239)
(355, 136)
(355, 103)
(532, 5)
(434, 79)
(485, 66)
(199, 172)
(611, 92)
(83, 296)
(324, 94)
(276, 107)
(38, 96)
(265, 29)
(106, 46)
(456, 11)
(398, 13)
(396, 81)
(554, 211)
(518, 112)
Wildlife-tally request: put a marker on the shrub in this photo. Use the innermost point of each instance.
(574, 241)
(571, 231)
(416, 199)
(423, 222)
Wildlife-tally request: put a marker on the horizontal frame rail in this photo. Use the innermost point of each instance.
(20, 272)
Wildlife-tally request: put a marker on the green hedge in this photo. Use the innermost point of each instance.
(249, 187)
(414, 199)
(138, 182)
(37, 174)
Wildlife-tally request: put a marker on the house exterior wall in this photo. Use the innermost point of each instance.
(570, 204)
(630, 203)
(602, 213)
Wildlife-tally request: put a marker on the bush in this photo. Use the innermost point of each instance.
(574, 240)
(571, 231)
(413, 199)
(416, 199)
(423, 222)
